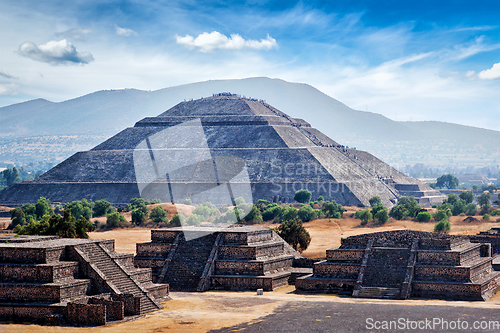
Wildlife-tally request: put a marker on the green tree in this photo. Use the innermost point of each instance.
(306, 214)
(175, 221)
(302, 196)
(42, 207)
(452, 199)
(424, 217)
(294, 233)
(140, 214)
(471, 209)
(271, 212)
(102, 207)
(288, 214)
(441, 214)
(375, 201)
(442, 226)
(254, 215)
(459, 207)
(320, 199)
(447, 181)
(158, 214)
(382, 215)
(364, 216)
(79, 209)
(11, 176)
(332, 209)
(63, 226)
(115, 220)
(17, 217)
(467, 196)
(136, 203)
(484, 200)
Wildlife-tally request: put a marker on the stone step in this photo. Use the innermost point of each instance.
(378, 292)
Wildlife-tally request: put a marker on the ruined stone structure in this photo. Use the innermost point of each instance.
(403, 264)
(235, 258)
(281, 154)
(80, 281)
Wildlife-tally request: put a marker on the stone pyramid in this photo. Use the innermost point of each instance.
(217, 149)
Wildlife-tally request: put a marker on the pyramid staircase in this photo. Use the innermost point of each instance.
(188, 263)
(118, 279)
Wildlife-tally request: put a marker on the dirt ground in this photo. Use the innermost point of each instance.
(201, 312)
(325, 233)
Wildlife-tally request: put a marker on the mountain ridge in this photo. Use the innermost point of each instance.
(106, 112)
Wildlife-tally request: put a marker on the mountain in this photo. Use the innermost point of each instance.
(104, 113)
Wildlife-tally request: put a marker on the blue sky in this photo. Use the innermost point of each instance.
(418, 60)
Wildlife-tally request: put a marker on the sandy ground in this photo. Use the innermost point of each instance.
(325, 233)
(201, 312)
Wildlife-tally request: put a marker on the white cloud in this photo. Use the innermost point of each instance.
(124, 32)
(8, 89)
(491, 74)
(77, 34)
(6, 75)
(207, 42)
(55, 53)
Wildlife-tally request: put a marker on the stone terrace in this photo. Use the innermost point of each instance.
(403, 264)
(234, 258)
(78, 281)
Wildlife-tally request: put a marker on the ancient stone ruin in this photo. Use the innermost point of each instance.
(403, 264)
(278, 154)
(235, 258)
(78, 281)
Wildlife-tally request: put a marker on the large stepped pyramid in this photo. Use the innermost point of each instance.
(403, 264)
(79, 281)
(278, 154)
(234, 258)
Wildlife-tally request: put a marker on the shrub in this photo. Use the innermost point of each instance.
(306, 214)
(194, 219)
(424, 217)
(332, 209)
(158, 214)
(364, 216)
(302, 196)
(175, 221)
(140, 215)
(471, 209)
(288, 214)
(382, 215)
(320, 199)
(442, 226)
(271, 212)
(115, 220)
(441, 214)
(486, 217)
(254, 215)
(188, 202)
(294, 233)
(102, 207)
(495, 212)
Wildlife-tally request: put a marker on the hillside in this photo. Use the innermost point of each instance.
(104, 113)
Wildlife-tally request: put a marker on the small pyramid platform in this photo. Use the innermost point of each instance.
(234, 258)
(281, 154)
(403, 264)
(79, 281)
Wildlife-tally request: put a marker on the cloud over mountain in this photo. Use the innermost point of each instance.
(207, 42)
(55, 53)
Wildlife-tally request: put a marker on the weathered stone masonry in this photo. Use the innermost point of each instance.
(80, 281)
(403, 264)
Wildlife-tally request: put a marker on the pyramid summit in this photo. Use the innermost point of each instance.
(217, 149)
